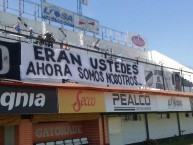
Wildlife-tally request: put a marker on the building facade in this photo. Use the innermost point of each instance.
(112, 94)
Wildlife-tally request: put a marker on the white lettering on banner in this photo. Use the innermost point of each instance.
(12, 99)
(50, 64)
(57, 131)
(121, 102)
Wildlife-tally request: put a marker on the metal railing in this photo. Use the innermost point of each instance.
(185, 76)
(32, 10)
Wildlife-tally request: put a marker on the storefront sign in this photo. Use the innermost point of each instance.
(57, 14)
(10, 60)
(172, 103)
(79, 101)
(137, 40)
(47, 64)
(86, 23)
(54, 13)
(124, 102)
(26, 100)
(54, 131)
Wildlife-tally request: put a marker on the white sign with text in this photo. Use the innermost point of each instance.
(172, 103)
(127, 102)
(55, 65)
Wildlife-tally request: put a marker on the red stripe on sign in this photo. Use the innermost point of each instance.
(91, 23)
(81, 23)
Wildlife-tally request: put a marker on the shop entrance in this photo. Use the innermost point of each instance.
(1, 135)
(9, 136)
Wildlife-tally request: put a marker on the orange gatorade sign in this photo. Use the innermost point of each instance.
(80, 101)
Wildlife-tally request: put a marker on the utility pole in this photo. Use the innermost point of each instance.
(20, 8)
(4, 5)
(79, 7)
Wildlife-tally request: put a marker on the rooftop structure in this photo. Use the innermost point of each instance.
(69, 84)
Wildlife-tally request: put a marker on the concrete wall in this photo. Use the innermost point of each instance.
(115, 131)
(123, 132)
(186, 123)
(162, 127)
(134, 131)
(128, 131)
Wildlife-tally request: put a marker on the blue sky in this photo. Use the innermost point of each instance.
(167, 24)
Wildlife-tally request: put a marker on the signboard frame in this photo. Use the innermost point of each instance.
(28, 100)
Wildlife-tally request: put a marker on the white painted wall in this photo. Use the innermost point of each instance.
(162, 128)
(134, 131)
(126, 132)
(123, 132)
(115, 131)
(186, 123)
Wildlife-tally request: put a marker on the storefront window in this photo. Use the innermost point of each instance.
(75, 141)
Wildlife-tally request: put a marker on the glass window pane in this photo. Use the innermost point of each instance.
(50, 143)
(59, 142)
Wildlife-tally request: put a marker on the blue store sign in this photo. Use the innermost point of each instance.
(57, 14)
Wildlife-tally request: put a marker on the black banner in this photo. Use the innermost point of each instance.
(28, 100)
(10, 60)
